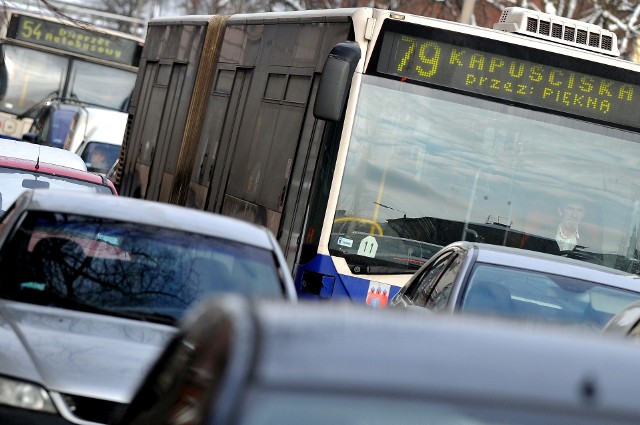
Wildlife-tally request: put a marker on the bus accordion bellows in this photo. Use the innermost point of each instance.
(368, 139)
(46, 56)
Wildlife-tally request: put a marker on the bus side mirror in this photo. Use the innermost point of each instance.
(335, 81)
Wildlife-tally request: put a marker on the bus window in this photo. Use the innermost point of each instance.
(100, 85)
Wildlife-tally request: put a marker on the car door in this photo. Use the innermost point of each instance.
(428, 288)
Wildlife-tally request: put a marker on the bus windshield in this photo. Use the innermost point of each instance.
(33, 76)
(434, 167)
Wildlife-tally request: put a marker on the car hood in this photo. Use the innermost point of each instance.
(79, 353)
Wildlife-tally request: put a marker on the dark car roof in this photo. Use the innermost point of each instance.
(348, 347)
(549, 263)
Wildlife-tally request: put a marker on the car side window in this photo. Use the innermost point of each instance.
(440, 294)
(426, 281)
(634, 333)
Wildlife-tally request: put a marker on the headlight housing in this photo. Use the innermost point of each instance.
(25, 395)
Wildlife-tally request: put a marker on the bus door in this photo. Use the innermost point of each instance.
(301, 182)
(161, 97)
(265, 139)
(223, 118)
(494, 198)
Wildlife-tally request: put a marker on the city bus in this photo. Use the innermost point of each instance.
(46, 56)
(367, 139)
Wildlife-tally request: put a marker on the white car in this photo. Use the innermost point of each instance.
(102, 141)
(91, 289)
(92, 132)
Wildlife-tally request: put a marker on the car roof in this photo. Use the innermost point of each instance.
(149, 212)
(43, 167)
(550, 264)
(346, 347)
(47, 154)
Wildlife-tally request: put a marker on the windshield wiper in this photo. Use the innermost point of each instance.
(55, 300)
(36, 107)
(359, 264)
(153, 316)
(367, 269)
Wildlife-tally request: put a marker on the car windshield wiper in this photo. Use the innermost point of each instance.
(369, 269)
(55, 300)
(146, 316)
(33, 110)
(365, 265)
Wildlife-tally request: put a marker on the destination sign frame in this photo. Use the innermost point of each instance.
(74, 39)
(433, 61)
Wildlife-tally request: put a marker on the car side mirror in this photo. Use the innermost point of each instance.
(30, 137)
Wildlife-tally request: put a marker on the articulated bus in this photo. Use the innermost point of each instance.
(45, 56)
(368, 139)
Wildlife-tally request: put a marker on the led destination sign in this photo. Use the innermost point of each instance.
(73, 39)
(509, 78)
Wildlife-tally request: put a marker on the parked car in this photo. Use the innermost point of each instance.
(486, 279)
(18, 175)
(18, 149)
(91, 287)
(625, 323)
(236, 362)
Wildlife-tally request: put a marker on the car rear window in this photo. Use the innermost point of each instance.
(127, 268)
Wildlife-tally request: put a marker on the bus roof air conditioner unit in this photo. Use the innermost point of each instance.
(558, 30)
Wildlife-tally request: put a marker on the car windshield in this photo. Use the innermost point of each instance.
(14, 181)
(99, 157)
(543, 297)
(427, 167)
(121, 268)
(272, 407)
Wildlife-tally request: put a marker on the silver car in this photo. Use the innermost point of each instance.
(487, 279)
(91, 289)
(236, 362)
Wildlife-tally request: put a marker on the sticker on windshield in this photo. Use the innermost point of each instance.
(345, 242)
(368, 247)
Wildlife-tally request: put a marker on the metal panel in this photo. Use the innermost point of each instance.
(160, 107)
(195, 113)
(227, 144)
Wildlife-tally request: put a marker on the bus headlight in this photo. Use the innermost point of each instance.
(25, 395)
